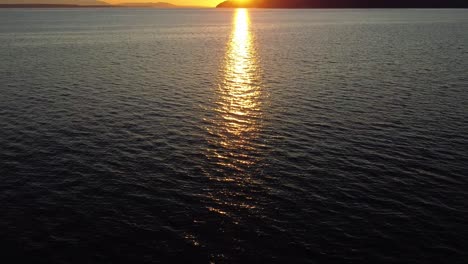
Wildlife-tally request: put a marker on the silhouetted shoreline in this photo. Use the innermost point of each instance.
(347, 4)
(52, 6)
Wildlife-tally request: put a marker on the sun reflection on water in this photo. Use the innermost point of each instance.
(239, 100)
(234, 141)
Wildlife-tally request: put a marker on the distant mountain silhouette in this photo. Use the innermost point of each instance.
(54, 2)
(347, 4)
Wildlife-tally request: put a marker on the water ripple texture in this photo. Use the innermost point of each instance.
(233, 136)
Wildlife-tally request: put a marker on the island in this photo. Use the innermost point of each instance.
(345, 4)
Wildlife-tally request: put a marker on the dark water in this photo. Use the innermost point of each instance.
(140, 136)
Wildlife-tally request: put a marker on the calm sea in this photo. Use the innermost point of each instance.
(234, 136)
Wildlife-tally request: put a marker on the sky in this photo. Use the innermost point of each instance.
(210, 3)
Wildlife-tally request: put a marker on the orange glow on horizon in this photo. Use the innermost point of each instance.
(200, 3)
(241, 1)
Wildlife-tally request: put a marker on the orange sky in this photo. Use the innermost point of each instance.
(210, 3)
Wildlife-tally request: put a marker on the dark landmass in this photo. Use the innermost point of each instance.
(50, 6)
(347, 4)
(55, 2)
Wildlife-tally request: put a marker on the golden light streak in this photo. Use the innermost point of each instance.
(239, 101)
(234, 142)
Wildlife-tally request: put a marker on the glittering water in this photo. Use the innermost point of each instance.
(288, 136)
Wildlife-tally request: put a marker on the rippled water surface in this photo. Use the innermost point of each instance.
(267, 136)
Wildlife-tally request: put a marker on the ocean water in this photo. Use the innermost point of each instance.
(234, 136)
